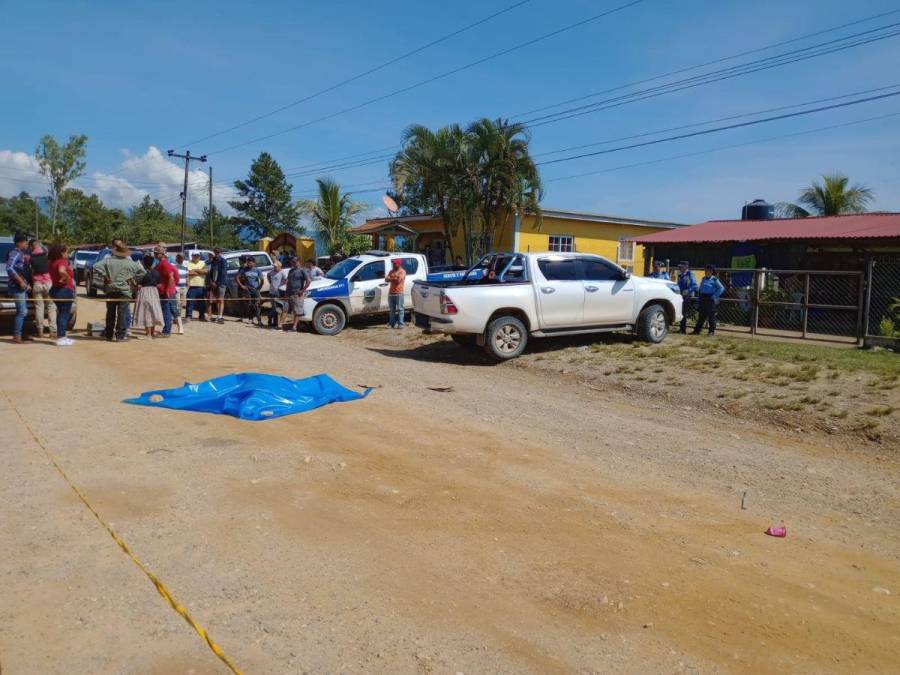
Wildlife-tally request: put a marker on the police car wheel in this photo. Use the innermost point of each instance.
(329, 320)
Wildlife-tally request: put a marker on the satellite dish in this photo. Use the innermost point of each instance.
(390, 203)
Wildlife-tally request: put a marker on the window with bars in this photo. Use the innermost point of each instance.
(561, 243)
(625, 255)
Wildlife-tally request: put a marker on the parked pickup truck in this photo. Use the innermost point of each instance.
(508, 297)
(357, 286)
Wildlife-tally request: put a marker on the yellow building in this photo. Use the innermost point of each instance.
(562, 231)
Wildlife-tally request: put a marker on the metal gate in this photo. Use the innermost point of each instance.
(805, 304)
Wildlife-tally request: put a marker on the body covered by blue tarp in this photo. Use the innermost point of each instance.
(251, 396)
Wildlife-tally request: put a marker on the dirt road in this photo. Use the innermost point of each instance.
(520, 523)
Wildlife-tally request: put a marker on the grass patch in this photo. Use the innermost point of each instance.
(883, 363)
(839, 414)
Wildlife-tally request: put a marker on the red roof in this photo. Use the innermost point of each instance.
(859, 226)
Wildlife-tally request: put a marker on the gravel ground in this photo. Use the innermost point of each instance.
(522, 522)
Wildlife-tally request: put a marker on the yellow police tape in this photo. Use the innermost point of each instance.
(161, 589)
(264, 298)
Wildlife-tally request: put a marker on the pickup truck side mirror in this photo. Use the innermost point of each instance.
(625, 276)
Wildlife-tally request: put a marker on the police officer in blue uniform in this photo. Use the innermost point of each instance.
(687, 285)
(709, 292)
(659, 271)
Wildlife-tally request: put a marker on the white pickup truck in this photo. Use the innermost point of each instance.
(507, 297)
(356, 286)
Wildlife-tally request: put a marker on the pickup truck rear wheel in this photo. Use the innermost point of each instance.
(653, 324)
(505, 338)
(329, 319)
(91, 289)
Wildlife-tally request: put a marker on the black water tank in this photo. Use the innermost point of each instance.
(758, 209)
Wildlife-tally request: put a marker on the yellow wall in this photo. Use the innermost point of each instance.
(590, 237)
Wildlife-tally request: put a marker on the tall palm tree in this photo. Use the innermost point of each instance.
(509, 181)
(332, 213)
(476, 179)
(831, 197)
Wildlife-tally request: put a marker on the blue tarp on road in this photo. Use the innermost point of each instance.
(251, 396)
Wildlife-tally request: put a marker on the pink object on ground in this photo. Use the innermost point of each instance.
(780, 531)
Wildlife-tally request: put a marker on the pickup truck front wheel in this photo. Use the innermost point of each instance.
(505, 338)
(329, 320)
(653, 324)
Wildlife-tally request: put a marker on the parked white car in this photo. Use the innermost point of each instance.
(508, 297)
(357, 286)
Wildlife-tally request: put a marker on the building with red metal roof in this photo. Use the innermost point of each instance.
(843, 242)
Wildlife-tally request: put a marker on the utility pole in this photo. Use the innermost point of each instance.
(210, 211)
(187, 157)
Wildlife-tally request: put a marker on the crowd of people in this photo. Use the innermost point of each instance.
(702, 298)
(45, 275)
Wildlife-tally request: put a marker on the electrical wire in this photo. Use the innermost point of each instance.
(713, 121)
(361, 75)
(739, 125)
(697, 66)
(325, 164)
(435, 78)
(720, 148)
(707, 78)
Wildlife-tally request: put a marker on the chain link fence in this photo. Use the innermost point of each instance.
(883, 300)
(807, 304)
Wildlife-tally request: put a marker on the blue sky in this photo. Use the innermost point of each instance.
(141, 78)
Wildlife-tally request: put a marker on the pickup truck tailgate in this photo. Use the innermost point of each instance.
(426, 299)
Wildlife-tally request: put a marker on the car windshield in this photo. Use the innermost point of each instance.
(5, 248)
(85, 255)
(343, 268)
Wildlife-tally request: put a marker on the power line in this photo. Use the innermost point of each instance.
(707, 78)
(713, 121)
(358, 76)
(739, 125)
(310, 169)
(720, 148)
(435, 78)
(710, 63)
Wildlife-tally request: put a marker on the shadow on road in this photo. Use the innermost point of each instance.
(438, 352)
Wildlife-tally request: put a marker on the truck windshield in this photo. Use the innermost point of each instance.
(343, 268)
(496, 268)
(85, 255)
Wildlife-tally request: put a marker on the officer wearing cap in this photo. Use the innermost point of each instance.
(687, 285)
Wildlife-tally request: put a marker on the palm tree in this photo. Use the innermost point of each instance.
(332, 213)
(831, 197)
(509, 181)
(425, 173)
(476, 179)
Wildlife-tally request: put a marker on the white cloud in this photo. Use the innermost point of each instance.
(19, 172)
(151, 173)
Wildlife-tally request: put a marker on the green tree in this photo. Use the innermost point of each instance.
(223, 230)
(832, 197)
(149, 222)
(265, 204)
(85, 219)
(477, 179)
(332, 214)
(61, 164)
(17, 214)
(425, 175)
